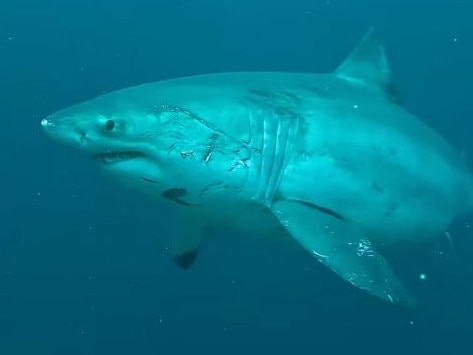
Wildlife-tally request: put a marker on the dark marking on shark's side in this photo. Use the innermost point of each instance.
(176, 194)
(324, 210)
(328, 211)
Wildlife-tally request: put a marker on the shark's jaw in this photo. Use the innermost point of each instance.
(133, 169)
(114, 157)
(134, 165)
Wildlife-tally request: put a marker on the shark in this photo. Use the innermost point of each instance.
(332, 161)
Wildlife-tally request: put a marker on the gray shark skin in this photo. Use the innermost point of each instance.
(331, 160)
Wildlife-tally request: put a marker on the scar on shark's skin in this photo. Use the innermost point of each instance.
(151, 181)
(175, 194)
(210, 147)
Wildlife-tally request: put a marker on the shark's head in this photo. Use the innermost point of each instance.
(133, 143)
(161, 148)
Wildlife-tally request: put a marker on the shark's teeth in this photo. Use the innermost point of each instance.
(112, 157)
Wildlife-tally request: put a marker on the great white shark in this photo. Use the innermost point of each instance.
(331, 160)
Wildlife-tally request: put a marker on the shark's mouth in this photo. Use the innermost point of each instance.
(114, 157)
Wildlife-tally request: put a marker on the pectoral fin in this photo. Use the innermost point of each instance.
(186, 259)
(343, 248)
(187, 243)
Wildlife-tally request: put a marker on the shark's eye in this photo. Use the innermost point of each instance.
(110, 125)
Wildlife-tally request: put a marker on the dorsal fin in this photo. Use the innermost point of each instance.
(367, 65)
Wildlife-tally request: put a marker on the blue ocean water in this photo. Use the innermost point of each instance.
(83, 264)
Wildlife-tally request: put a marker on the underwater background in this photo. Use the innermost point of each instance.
(84, 266)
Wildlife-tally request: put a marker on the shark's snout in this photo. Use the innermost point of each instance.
(50, 128)
(61, 131)
(45, 123)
